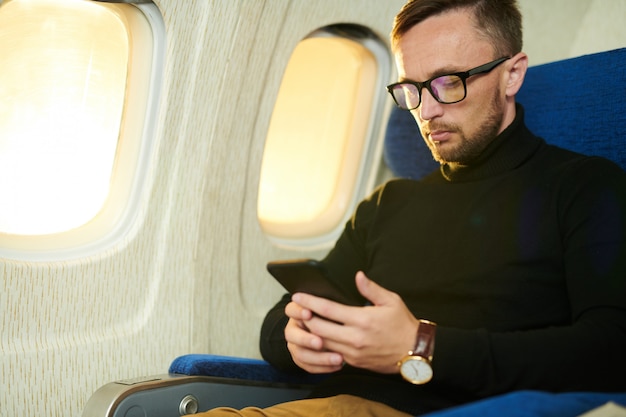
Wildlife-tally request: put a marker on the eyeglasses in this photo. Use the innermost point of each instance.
(446, 89)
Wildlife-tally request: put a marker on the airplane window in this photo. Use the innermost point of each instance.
(323, 133)
(74, 82)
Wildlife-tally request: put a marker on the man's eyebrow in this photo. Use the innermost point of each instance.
(438, 73)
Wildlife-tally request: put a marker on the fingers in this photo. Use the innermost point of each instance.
(321, 307)
(315, 362)
(304, 305)
(307, 350)
(297, 333)
(376, 294)
(298, 312)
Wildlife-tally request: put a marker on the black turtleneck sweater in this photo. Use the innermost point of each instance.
(519, 257)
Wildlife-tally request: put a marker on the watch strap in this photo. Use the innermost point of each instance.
(425, 340)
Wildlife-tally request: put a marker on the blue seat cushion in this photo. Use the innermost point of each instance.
(534, 404)
(237, 368)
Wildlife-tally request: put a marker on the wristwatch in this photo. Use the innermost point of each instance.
(415, 366)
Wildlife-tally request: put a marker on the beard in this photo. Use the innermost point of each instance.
(468, 146)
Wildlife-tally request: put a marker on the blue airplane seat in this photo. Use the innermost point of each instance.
(577, 103)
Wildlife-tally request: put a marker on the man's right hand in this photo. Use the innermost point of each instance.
(307, 349)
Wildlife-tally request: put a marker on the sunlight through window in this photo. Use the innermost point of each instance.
(319, 137)
(76, 79)
(62, 83)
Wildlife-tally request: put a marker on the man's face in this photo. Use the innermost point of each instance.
(444, 44)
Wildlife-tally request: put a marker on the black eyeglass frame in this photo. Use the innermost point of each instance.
(463, 76)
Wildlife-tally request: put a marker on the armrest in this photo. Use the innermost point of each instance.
(199, 383)
(174, 395)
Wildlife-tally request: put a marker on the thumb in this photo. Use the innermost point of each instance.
(376, 294)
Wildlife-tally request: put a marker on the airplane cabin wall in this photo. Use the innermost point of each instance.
(238, 288)
(190, 276)
(559, 29)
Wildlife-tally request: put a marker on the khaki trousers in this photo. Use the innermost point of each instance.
(338, 406)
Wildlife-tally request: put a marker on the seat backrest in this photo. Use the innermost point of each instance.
(577, 104)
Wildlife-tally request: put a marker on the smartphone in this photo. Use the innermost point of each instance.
(311, 276)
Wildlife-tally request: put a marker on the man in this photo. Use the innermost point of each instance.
(507, 267)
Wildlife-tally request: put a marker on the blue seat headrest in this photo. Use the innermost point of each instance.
(405, 152)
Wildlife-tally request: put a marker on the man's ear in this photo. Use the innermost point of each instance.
(516, 72)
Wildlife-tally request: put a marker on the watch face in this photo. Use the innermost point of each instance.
(416, 370)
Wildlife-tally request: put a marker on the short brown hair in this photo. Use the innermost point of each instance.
(499, 21)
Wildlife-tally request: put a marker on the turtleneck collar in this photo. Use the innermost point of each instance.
(506, 152)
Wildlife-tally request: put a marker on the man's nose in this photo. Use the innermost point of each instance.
(429, 107)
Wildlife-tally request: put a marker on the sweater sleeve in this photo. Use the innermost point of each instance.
(588, 354)
(272, 344)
